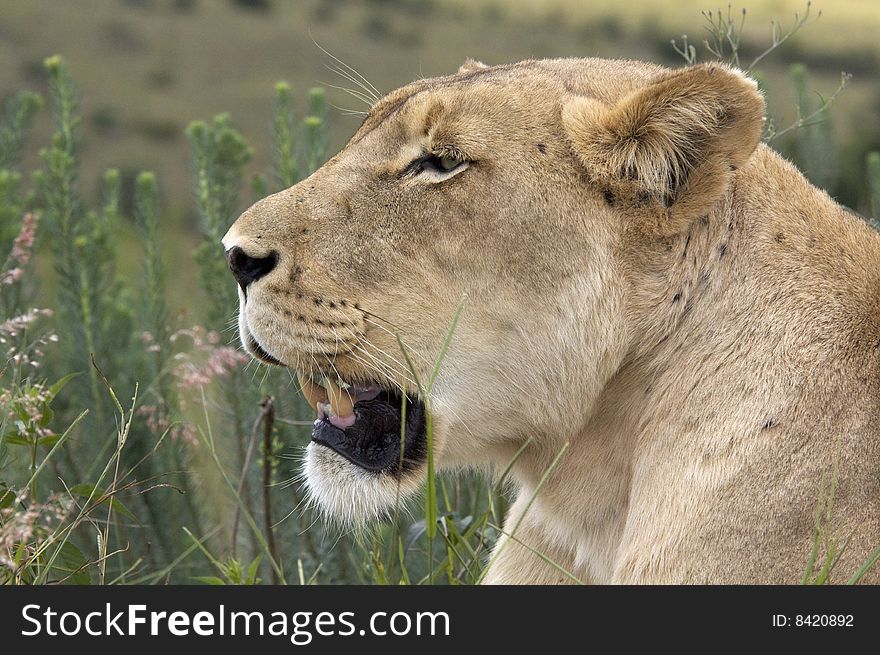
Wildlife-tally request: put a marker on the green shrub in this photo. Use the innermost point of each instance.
(872, 172)
(141, 446)
(813, 148)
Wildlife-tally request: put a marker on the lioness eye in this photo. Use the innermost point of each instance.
(441, 166)
(447, 163)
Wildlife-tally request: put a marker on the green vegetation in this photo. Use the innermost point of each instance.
(136, 443)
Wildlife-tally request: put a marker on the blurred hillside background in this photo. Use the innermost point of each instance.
(195, 479)
(146, 68)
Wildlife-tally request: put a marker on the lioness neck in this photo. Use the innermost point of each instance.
(763, 302)
(773, 246)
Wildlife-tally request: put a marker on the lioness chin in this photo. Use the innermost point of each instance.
(644, 281)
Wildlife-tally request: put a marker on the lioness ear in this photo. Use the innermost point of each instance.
(471, 65)
(673, 141)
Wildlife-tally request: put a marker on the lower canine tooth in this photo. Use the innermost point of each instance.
(341, 403)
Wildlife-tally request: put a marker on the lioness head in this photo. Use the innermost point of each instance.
(522, 193)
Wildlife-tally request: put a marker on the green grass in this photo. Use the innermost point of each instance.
(117, 49)
(152, 474)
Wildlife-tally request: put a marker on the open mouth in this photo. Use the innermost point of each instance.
(362, 422)
(375, 428)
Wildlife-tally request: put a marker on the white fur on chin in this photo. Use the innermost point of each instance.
(349, 494)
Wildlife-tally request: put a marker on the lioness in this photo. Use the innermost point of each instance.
(645, 282)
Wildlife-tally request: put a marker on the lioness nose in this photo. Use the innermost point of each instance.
(247, 269)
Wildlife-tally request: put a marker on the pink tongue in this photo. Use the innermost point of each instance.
(342, 422)
(360, 393)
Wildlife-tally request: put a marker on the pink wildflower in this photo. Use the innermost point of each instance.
(24, 242)
(29, 526)
(22, 248)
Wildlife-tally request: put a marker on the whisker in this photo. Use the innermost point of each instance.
(387, 375)
(397, 336)
(300, 504)
(349, 68)
(369, 343)
(402, 372)
(354, 79)
(367, 91)
(352, 92)
(349, 112)
(384, 320)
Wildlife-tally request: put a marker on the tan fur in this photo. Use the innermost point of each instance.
(645, 283)
(672, 141)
